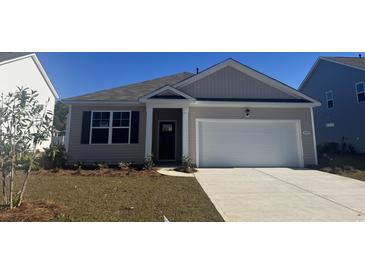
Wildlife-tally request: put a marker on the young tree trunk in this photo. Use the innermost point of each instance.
(12, 173)
(3, 178)
(25, 183)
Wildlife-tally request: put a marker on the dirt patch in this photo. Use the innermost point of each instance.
(33, 212)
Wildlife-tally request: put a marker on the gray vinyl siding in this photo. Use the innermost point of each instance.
(231, 83)
(109, 153)
(347, 114)
(167, 114)
(302, 114)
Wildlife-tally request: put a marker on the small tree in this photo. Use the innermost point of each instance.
(24, 125)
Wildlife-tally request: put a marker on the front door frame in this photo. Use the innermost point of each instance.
(158, 140)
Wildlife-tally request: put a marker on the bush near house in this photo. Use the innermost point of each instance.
(341, 159)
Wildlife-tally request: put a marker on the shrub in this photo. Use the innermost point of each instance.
(101, 165)
(187, 162)
(54, 157)
(325, 148)
(78, 166)
(351, 149)
(187, 165)
(124, 165)
(26, 160)
(335, 148)
(148, 162)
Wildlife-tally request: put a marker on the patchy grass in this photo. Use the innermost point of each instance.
(347, 165)
(95, 197)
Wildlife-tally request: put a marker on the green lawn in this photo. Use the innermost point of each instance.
(123, 198)
(352, 166)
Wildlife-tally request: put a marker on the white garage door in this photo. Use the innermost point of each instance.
(248, 143)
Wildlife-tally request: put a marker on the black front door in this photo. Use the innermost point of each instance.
(166, 148)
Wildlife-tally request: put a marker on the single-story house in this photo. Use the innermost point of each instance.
(227, 115)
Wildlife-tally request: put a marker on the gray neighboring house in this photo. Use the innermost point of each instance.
(338, 83)
(227, 115)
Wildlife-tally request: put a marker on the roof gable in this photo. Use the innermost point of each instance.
(8, 57)
(278, 89)
(351, 62)
(167, 92)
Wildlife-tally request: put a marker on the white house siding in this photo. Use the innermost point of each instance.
(25, 73)
(302, 114)
(110, 153)
(231, 83)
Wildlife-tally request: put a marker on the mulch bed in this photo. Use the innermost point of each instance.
(186, 170)
(32, 212)
(108, 172)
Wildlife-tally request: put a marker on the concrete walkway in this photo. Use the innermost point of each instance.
(283, 194)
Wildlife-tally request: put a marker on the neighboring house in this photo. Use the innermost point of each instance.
(227, 115)
(338, 83)
(20, 69)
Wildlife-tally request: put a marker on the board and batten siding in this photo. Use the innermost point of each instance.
(109, 153)
(231, 83)
(302, 114)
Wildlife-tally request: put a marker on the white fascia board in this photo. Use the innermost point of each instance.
(253, 104)
(250, 72)
(16, 58)
(44, 74)
(165, 88)
(40, 68)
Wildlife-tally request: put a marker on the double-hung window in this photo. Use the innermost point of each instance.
(100, 127)
(329, 99)
(121, 127)
(110, 127)
(360, 92)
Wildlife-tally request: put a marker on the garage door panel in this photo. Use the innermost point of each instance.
(253, 143)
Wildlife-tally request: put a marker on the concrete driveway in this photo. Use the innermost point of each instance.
(283, 194)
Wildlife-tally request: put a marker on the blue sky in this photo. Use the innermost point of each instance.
(77, 73)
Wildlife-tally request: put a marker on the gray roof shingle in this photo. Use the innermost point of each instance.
(5, 56)
(132, 92)
(351, 61)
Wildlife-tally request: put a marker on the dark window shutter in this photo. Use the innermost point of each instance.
(134, 127)
(85, 128)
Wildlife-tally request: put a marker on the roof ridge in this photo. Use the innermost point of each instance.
(355, 57)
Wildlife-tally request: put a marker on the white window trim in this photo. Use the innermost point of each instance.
(110, 128)
(357, 93)
(327, 100)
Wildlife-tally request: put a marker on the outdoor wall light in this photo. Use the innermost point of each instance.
(247, 113)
